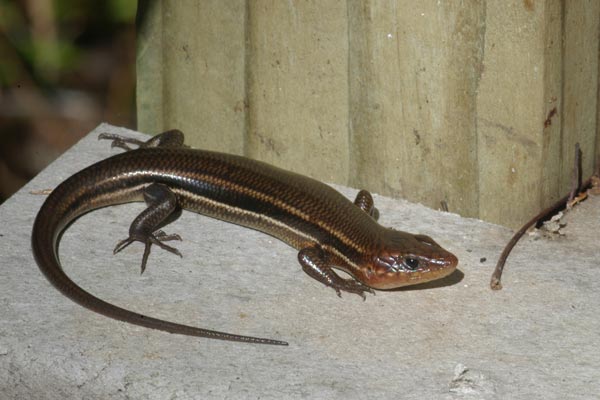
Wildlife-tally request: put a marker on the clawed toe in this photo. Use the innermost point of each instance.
(353, 286)
(120, 141)
(122, 244)
(163, 237)
(159, 242)
(157, 238)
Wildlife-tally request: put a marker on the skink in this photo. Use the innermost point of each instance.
(329, 231)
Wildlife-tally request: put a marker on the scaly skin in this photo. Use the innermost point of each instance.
(329, 231)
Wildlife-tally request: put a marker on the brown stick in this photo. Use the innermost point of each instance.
(545, 214)
(576, 182)
(495, 283)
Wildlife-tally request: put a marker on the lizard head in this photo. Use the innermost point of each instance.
(405, 259)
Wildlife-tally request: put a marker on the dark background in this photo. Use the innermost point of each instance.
(65, 67)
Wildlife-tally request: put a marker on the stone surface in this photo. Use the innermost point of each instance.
(456, 339)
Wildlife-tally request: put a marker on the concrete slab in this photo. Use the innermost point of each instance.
(536, 339)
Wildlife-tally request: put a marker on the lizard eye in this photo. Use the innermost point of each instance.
(411, 263)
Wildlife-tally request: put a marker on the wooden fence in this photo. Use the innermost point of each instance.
(476, 103)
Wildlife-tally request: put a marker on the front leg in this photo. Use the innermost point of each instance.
(365, 202)
(314, 263)
(162, 209)
(172, 138)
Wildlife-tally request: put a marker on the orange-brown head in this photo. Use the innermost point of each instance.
(406, 259)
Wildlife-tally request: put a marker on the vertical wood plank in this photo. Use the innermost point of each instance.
(511, 111)
(581, 24)
(297, 86)
(551, 168)
(204, 72)
(149, 101)
(414, 70)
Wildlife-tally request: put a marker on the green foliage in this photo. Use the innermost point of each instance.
(55, 43)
